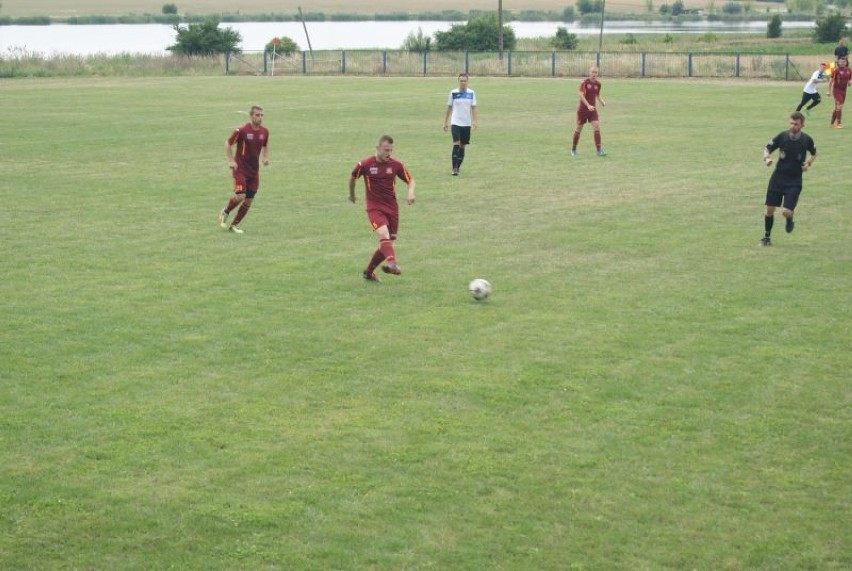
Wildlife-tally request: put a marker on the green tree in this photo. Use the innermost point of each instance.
(478, 34)
(417, 42)
(286, 46)
(677, 8)
(830, 29)
(170, 9)
(568, 14)
(589, 6)
(564, 40)
(773, 28)
(205, 39)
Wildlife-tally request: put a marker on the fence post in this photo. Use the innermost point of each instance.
(643, 63)
(424, 62)
(598, 60)
(466, 61)
(227, 62)
(385, 62)
(304, 64)
(343, 62)
(553, 63)
(689, 65)
(737, 66)
(510, 63)
(787, 67)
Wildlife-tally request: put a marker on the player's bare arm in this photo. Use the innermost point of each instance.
(230, 154)
(352, 190)
(411, 191)
(265, 153)
(447, 117)
(808, 163)
(474, 117)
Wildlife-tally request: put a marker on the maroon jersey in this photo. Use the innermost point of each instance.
(249, 144)
(590, 88)
(841, 78)
(380, 180)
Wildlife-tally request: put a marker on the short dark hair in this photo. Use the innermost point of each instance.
(464, 74)
(385, 139)
(797, 116)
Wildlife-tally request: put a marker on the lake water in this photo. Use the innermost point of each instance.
(155, 38)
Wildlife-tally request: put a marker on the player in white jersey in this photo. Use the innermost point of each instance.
(811, 92)
(461, 105)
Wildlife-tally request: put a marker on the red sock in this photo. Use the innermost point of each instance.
(386, 246)
(598, 140)
(241, 213)
(575, 141)
(232, 203)
(377, 258)
(840, 116)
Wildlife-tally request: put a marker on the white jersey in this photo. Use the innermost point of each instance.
(811, 85)
(462, 102)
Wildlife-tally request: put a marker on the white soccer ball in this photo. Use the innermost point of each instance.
(479, 289)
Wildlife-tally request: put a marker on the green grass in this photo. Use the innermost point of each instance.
(646, 389)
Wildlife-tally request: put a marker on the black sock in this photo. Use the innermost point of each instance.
(456, 155)
(767, 224)
(461, 155)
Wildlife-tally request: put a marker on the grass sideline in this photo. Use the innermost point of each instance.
(646, 389)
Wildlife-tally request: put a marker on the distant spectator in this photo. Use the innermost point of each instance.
(841, 51)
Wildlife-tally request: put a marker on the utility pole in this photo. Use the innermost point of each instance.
(500, 28)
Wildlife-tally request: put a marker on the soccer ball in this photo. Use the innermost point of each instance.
(479, 289)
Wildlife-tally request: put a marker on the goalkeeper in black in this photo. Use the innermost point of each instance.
(785, 184)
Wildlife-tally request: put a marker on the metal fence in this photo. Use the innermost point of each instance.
(525, 64)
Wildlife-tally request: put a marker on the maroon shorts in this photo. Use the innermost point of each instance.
(379, 218)
(839, 96)
(244, 184)
(586, 116)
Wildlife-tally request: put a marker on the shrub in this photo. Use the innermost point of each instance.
(170, 9)
(417, 42)
(205, 39)
(773, 28)
(564, 40)
(479, 34)
(568, 14)
(830, 29)
(286, 46)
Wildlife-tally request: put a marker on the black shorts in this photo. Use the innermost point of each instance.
(783, 194)
(460, 134)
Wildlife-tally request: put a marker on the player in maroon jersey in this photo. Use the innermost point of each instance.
(251, 141)
(380, 173)
(840, 80)
(587, 110)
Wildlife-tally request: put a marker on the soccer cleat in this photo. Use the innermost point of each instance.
(838, 125)
(573, 152)
(765, 241)
(807, 112)
(235, 229)
(790, 225)
(392, 269)
(455, 172)
(601, 153)
(223, 219)
(371, 277)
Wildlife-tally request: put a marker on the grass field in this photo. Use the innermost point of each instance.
(646, 388)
